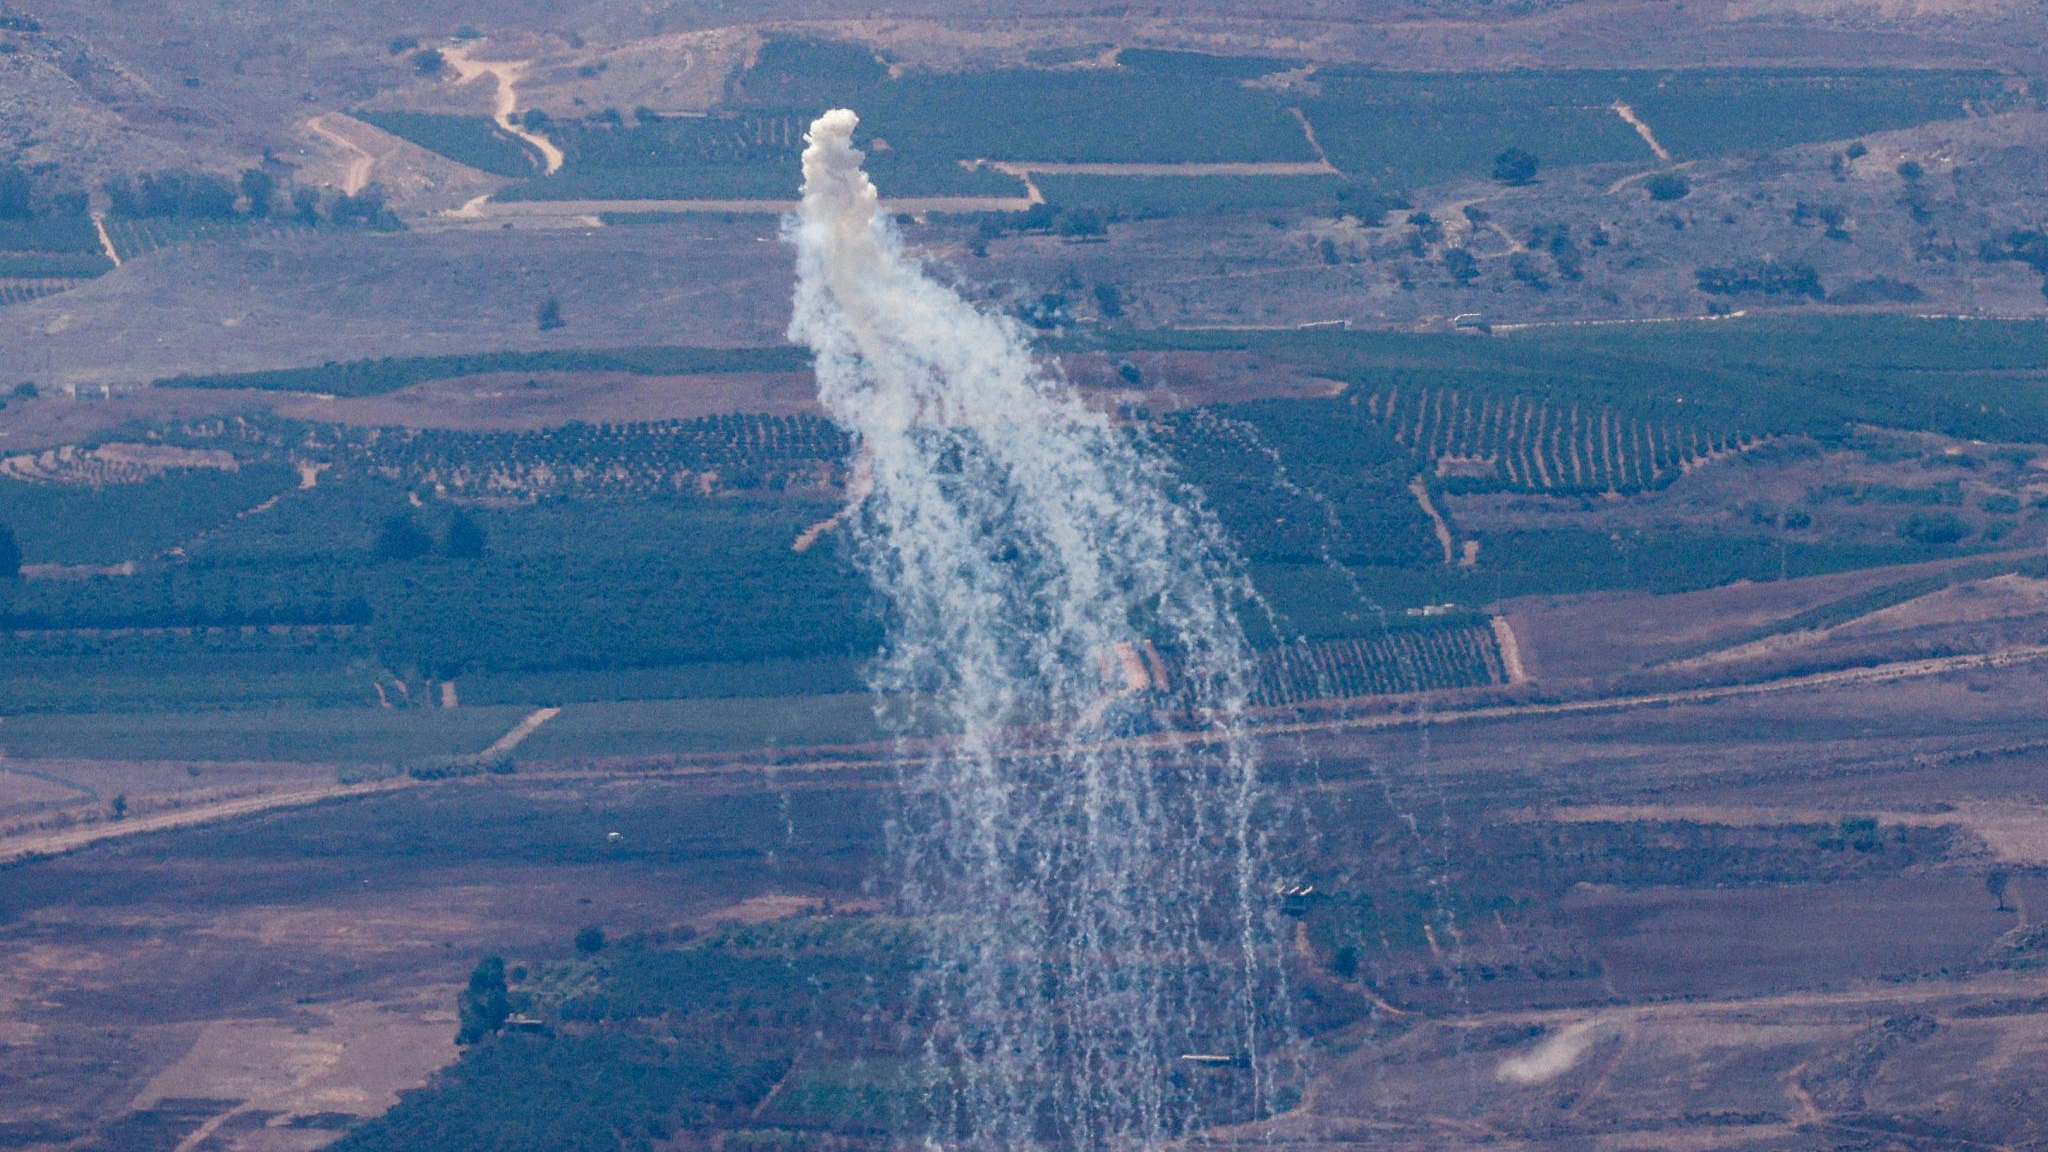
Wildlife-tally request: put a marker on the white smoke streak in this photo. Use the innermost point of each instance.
(1102, 905)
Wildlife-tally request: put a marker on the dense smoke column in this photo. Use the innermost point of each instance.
(1097, 908)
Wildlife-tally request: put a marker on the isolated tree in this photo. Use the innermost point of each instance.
(1515, 167)
(1081, 223)
(1462, 265)
(15, 193)
(10, 554)
(1109, 301)
(430, 62)
(73, 201)
(483, 1006)
(365, 209)
(465, 538)
(306, 205)
(590, 941)
(120, 807)
(549, 315)
(26, 390)
(402, 538)
(260, 188)
(122, 197)
(1935, 528)
(1995, 882)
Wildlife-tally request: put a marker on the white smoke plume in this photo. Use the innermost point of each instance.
(1103, 905)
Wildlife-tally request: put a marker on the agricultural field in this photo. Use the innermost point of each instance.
(1341, 127)
(264, 561)
(1638, 879)
(472, 140)
(435, 673)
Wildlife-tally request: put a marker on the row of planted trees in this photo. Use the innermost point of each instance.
(46, 193)
(194, 195)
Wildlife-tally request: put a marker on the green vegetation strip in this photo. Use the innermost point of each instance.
(473, 140)
(374, 377)
(55, 265)
(1974, 379)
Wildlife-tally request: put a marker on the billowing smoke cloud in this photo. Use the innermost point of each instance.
(1104, 904)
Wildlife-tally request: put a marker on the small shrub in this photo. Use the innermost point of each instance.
(1516, 167)
(1934, 528)
(1667, 186)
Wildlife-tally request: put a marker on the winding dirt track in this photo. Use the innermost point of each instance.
(507, 74)
(360, 164)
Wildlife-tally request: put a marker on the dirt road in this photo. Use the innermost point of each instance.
(99, 224)
(360, 164)
(507, 74)
(1025, 169)
(587, 213)
(521, 731)
(38, 845)
(1419, 488)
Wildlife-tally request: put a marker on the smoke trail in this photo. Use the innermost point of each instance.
(1099, 908)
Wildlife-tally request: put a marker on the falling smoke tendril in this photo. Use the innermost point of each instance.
(1096, 905)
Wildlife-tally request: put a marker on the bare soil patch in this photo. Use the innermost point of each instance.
(304, 963)
(1605, 634)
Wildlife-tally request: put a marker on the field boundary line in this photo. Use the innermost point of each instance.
(39, 847)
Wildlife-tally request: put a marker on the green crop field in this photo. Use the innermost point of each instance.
(1714, 111)
(54, 265)
(587, 565)
(49, 234)
(1140, 197)
(140, 236)
(1393, 130)
(1407, 129)
(371, 377)
(66, 524)
(319, 735)
(472, 140)
(662, 727)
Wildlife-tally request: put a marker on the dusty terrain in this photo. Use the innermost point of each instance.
(310, 953)
(258, 985)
